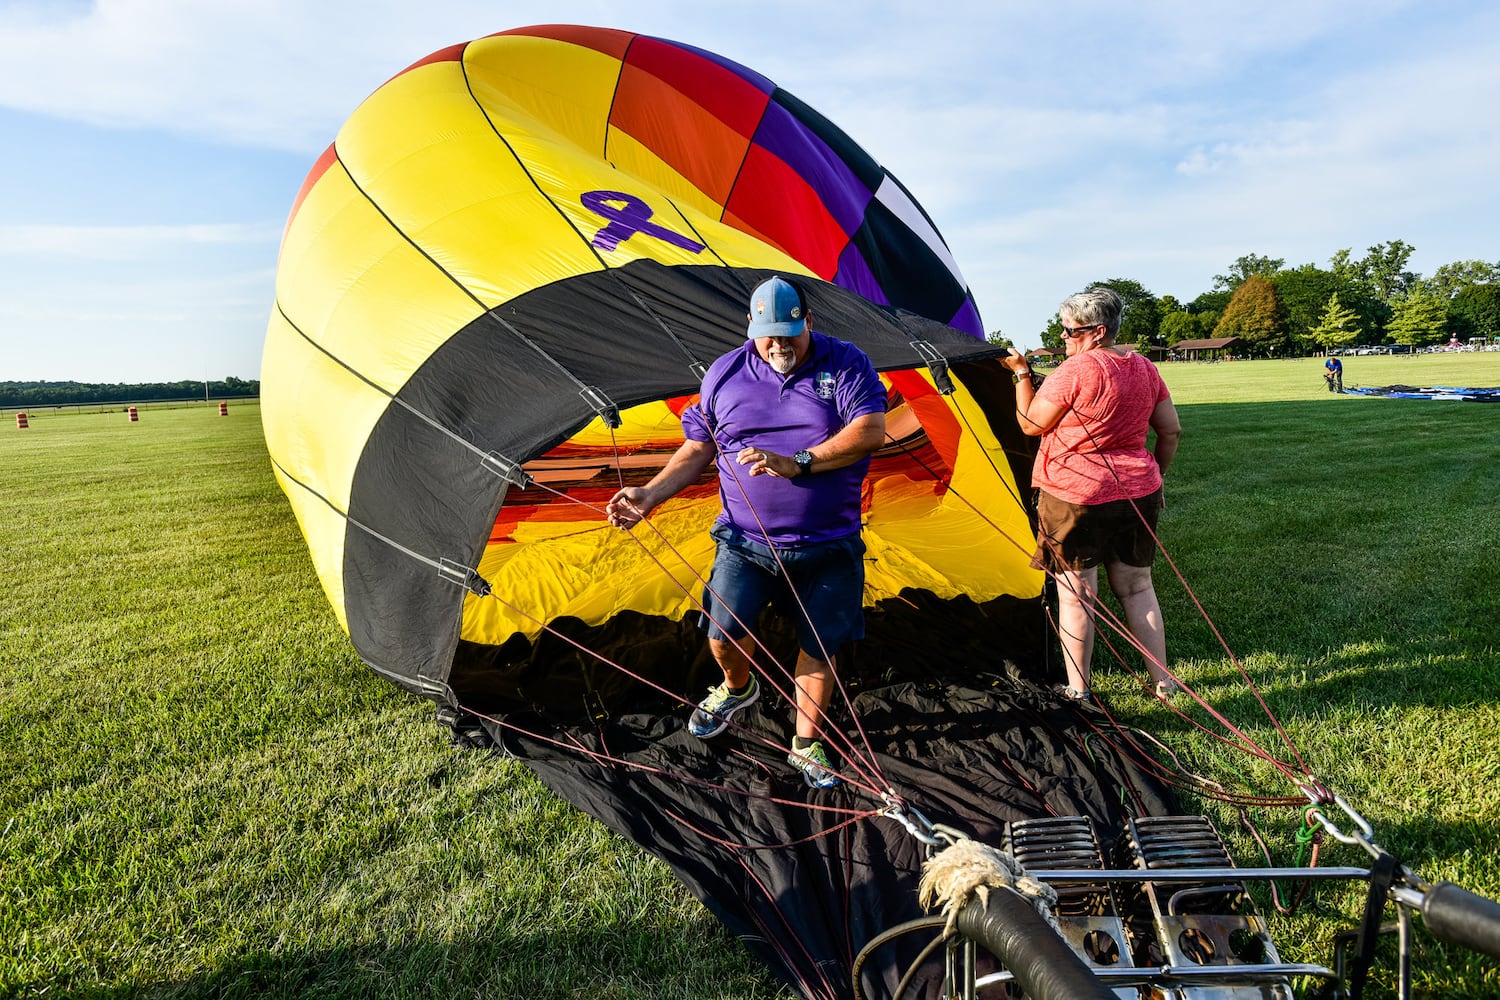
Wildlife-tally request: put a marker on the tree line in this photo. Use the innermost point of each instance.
(1278, 311)
(20, 395)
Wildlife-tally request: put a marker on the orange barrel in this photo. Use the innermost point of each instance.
(21, 423)
(133, 415)
(223, 409)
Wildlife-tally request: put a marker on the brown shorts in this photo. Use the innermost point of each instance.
(1077, 536)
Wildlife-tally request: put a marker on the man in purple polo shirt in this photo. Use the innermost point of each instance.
(791, 419)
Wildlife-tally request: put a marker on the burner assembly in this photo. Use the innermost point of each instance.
(1167, 919)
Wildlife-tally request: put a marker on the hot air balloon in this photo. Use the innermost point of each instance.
(497, 290)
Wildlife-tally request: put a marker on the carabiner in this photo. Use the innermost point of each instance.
(916, 824)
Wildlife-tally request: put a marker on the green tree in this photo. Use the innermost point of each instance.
(1386, 265)
(1142, 313)
(1304, 293)
(1450, 279)
(1179, 326)
(1338, 327)
(1244, 267)
(1419, 318)
(1381, 271)
(1475, 312)
(1256, 317)
(1210, 302)
(1052, 337)
(999, 339)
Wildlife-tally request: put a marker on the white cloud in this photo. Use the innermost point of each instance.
(1052, 145)
(128, 242)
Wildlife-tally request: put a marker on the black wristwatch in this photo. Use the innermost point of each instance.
(804, 461)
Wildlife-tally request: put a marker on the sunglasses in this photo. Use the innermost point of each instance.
(1069, 332)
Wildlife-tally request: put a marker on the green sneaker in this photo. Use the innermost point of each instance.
(713, 713)
(812, 761)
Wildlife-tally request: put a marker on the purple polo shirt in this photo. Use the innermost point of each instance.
(744, 402)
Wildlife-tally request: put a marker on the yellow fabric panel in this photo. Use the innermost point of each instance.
(973, 539)
(324, 530)
(976, 536)
(426, 154)
(344, 273)
(316, 418)
(736, 247)
(315, 414)
(914, 540)
(638, 424)
(634, 158)
(595, 573)
(564, 174)
(569, 88)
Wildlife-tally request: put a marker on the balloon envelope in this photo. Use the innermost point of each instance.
(497, 290)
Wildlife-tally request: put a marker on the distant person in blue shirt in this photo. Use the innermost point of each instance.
(1334, 375)
(791, 418)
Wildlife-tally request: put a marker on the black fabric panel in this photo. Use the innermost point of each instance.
(971, 753)
(489, 391)
(912, 276)
(424, 491)
(914, 637)
(863, 165)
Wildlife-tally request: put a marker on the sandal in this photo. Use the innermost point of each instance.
(1166, 688)
(1078, 694)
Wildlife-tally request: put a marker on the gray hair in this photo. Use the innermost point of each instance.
(1094, 306)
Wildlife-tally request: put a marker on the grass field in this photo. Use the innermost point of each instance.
(207, 795)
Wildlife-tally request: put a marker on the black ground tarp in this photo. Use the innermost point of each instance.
(732, 819)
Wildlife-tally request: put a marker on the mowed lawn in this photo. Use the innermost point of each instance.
(206, 793)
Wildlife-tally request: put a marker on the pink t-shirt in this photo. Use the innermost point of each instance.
(1096, 452)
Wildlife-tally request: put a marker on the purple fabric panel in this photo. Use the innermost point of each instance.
(842, 192)
(855, 274)
(967, 318)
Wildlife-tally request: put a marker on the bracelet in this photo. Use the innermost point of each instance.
(1016, 377)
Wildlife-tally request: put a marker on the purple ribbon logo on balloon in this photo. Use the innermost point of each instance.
(627, 216)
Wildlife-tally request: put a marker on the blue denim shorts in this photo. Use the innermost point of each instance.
(826, 579)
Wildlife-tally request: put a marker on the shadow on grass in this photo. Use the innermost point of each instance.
(602, 966)
(1376, 673)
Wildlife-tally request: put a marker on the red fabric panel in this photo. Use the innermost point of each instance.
(775, 202)
(943, 430)
(571, 508)
(607, 40)
(452, 53)
(329, 158)
(723, 93)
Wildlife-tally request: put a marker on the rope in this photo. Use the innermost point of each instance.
(1101, 458)
(968, 870)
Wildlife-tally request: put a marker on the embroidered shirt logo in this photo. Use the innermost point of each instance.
(824, 383)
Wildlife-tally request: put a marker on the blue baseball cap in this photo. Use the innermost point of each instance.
(776, 310)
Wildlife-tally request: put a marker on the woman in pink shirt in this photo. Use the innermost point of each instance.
(1099, 487)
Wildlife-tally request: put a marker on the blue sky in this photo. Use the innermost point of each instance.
(152, 148)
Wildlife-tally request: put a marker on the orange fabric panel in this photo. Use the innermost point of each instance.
(687, 136)
(679, 403)
(932, 411)
(723, 93)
